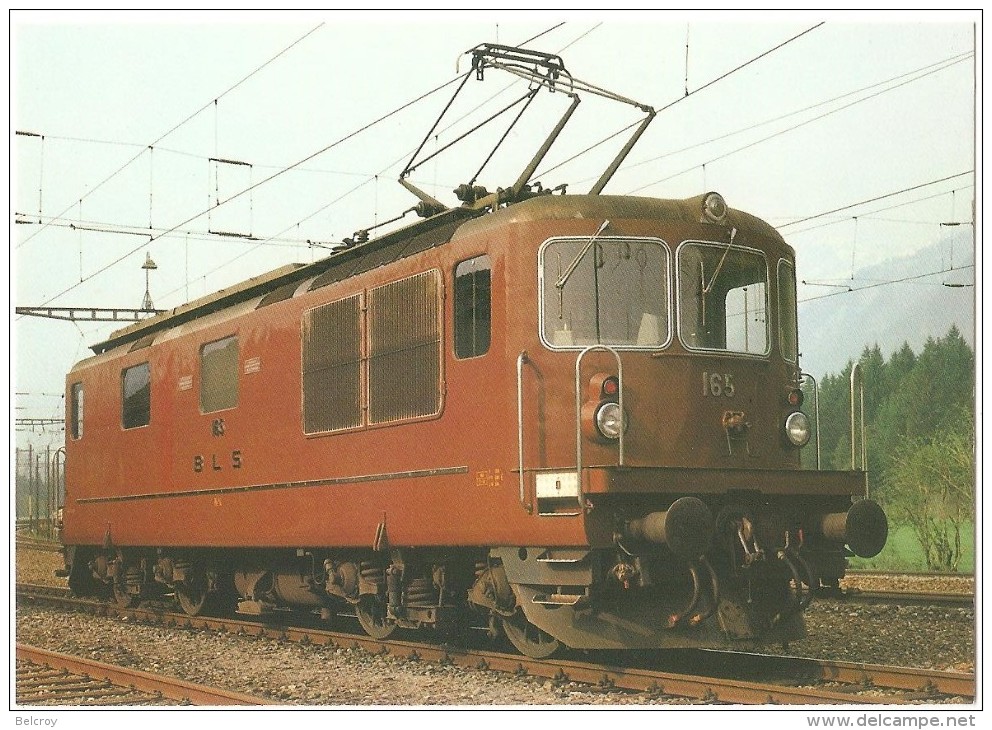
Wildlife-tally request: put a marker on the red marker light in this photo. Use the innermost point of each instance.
(795, 398)
(611, 386)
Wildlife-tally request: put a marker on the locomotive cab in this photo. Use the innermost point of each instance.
(666, 387)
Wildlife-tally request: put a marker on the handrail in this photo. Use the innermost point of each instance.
(816, 414)
(856, 376)
(521, 359)
(578, 411)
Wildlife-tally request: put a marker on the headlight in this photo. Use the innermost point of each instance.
(797, 428)
(609, 420)
(714, 208)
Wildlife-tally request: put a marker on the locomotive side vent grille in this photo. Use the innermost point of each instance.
(405, 349)
(332, 366)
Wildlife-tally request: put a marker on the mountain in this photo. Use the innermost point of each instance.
(898, 304)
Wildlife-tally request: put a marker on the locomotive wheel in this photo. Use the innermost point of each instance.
(528, 639)
(192, 597)
(371, 612)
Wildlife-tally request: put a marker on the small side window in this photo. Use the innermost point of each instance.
(219, 375)
(136, 396)
(788, 328)
(76, 411)
(473, 307)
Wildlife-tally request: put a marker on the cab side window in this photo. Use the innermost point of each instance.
(76, 411)
(136, 396)
(473, 307)
(787, 319)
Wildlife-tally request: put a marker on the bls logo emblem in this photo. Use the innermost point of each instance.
(199, 462)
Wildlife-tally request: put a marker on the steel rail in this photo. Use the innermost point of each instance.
(906, 678)
(909, 573)
(921, 683)
(42, 545)
(904, 597)
(39, 684)
(170, 687)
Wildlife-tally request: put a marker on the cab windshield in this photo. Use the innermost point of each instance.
(723, 298)
(609, 291)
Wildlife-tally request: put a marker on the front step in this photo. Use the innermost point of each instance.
(560, 599)
(255, 608)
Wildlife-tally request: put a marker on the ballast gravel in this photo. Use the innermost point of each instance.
(294, 674)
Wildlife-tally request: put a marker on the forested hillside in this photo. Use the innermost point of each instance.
(920, 414)
(834, 324)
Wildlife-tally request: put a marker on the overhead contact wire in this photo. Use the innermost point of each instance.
(252, 187)
(876, 198)
(852, 290)
(931, 68)
(683, 98)
(788, 129)
(870, 214)
(177, 126)
(398, 161)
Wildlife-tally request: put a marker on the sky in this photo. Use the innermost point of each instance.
(132, 110)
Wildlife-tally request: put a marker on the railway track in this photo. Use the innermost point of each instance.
(50, 678)
(728, 678)
(907, 573)
(32, 543)
(856, 595)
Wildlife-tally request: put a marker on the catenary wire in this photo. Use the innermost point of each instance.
(905, 279)
(278, 173)
(930, 67)
(869, 214)
(174, 128)
(877, 197)
(252, 187)
(119, 229)
(780, 132)
(391, 165)
(195, 156)
(679, 100)
(53, 219)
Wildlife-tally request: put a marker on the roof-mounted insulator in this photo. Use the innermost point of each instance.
(470, 193)
(425, 209)
(359, 237)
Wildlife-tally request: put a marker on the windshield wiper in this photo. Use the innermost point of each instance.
(560, 284)
(709, 287)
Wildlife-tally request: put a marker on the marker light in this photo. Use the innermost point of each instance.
(714, 208)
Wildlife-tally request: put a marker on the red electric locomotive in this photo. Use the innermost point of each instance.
(574, 417)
